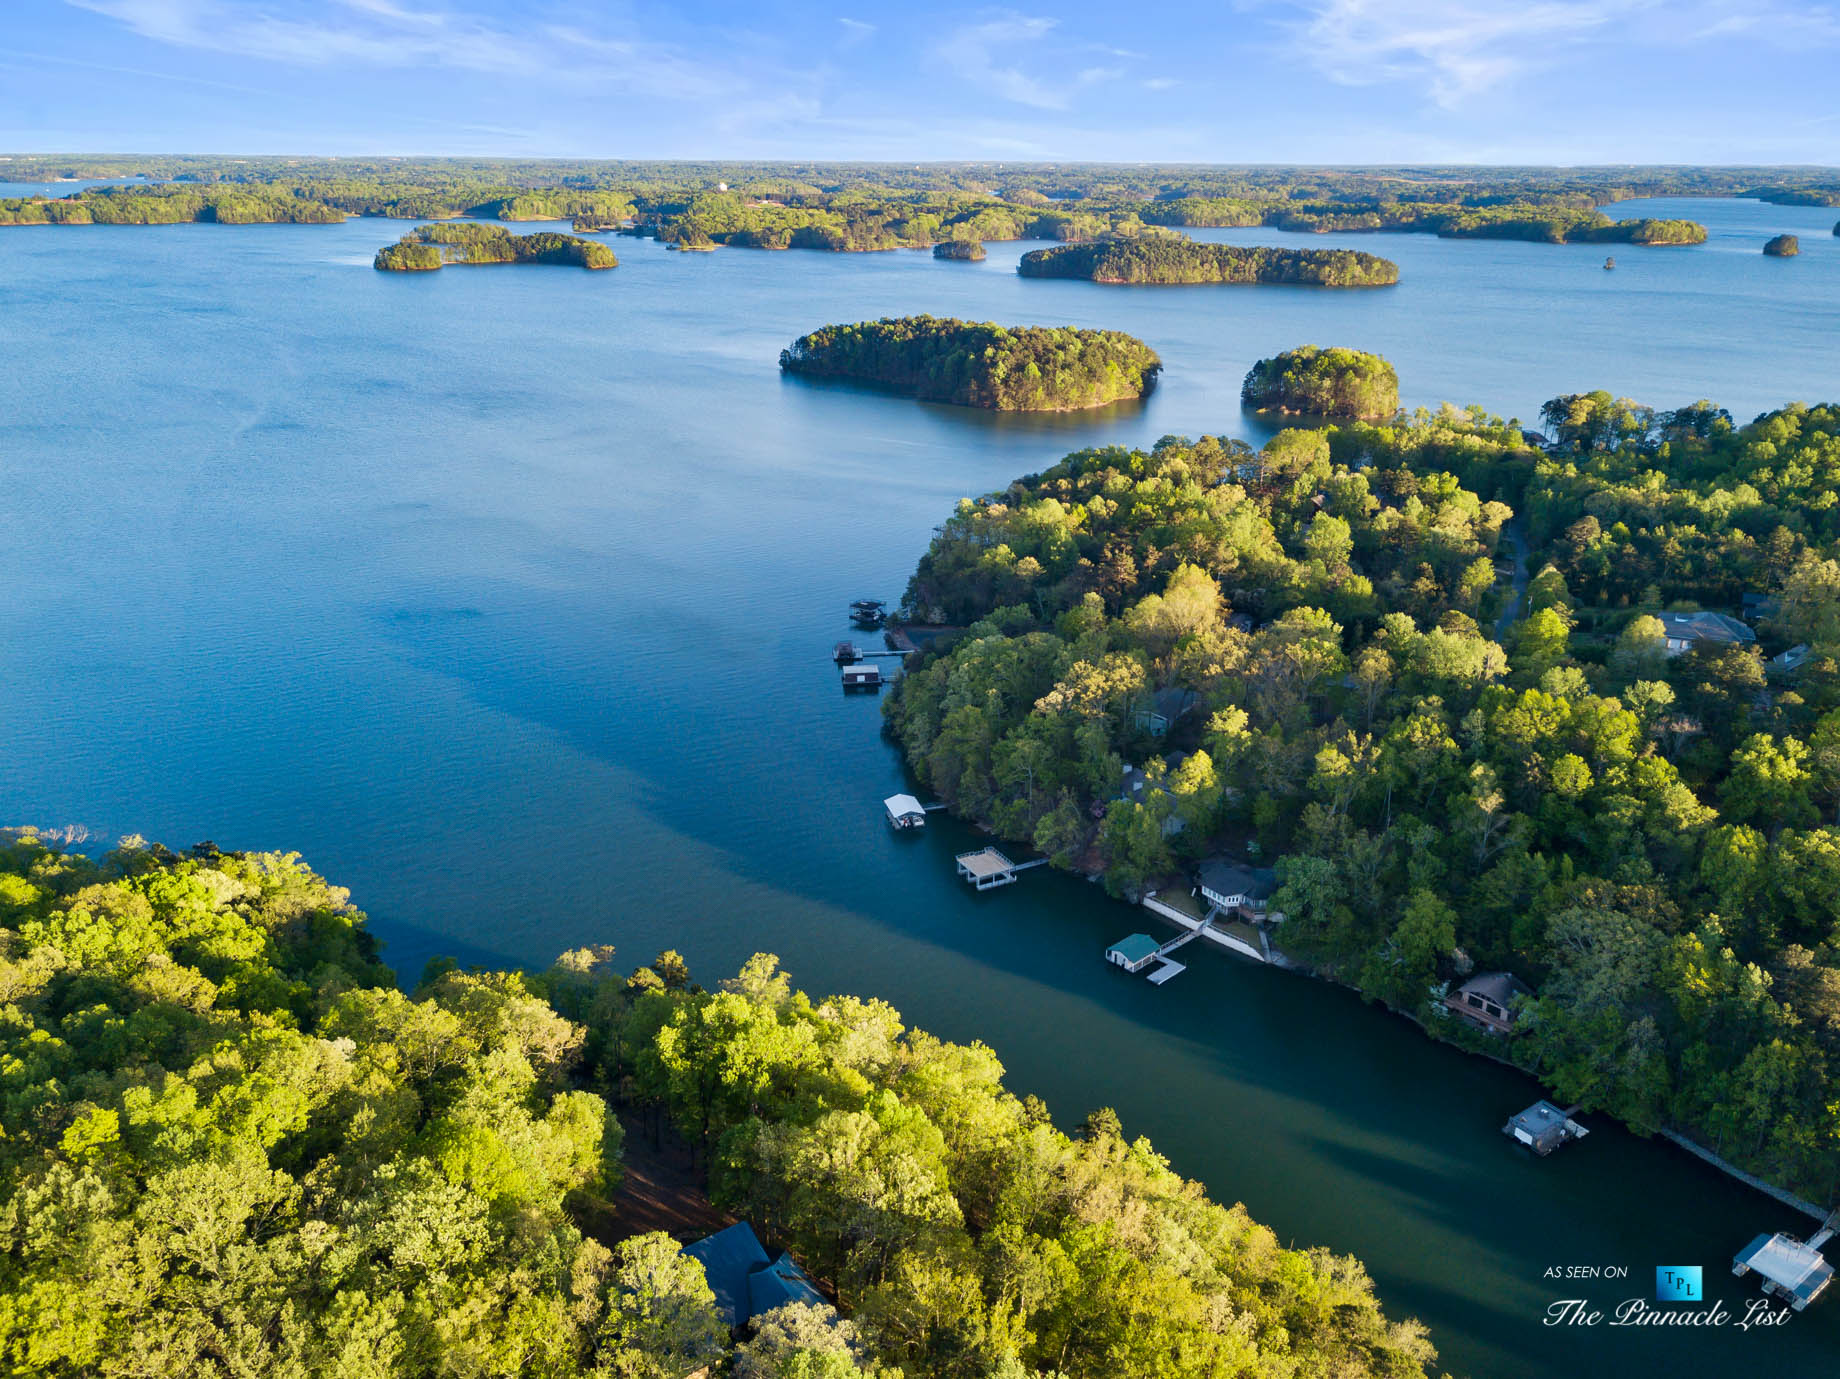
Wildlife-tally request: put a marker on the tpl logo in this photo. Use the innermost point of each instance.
(1678, 1283)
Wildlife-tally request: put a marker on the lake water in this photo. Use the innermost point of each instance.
(506, 596)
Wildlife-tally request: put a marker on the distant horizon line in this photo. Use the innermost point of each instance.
(706, 161)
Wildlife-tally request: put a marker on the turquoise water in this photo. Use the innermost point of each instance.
(506, 595)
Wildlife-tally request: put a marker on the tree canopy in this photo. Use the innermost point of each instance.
(433, 246)
(1154, 260)
(1017, 368)
(1323, 382)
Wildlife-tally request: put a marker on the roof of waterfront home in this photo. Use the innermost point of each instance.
(1225, 877)
(1706, 627)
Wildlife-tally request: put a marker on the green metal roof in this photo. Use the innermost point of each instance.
(1133, 949)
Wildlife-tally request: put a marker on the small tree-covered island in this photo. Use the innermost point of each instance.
(973, 364)
(1783, 247)
(1156, 259)
(967, 250)
(434, 246)
(1559, 712)
(1323, 382)
(233, 1146)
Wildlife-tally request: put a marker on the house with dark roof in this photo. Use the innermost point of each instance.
(1486, 1000)
(1230, 885)
(1165, 707)
(1684, 631)
(745, 1280)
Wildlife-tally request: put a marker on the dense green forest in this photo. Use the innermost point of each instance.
(233, 1147)
(1323, 382)
(431, 246)
(1149, 260)
(856, 207)
(1449, 774)
(1012, 369)
(972, 250)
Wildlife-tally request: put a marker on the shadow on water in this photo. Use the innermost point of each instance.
(1053, 424)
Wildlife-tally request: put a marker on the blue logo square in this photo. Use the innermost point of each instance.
(1678, 1283)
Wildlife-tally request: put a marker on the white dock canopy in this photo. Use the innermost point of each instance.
(904, 811)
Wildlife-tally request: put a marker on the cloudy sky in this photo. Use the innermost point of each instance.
(1344, 81)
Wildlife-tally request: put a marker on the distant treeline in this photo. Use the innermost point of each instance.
(1142, 260)
(1021, 368)
(432, 246)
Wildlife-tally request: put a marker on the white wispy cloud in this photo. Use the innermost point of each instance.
(978, 54)
(855, 31)
(1458, 48)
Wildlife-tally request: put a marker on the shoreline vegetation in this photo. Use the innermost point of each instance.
(1339, 383)
(233, 1143)
(1586, 771)
(856, 208)
(430, 247)
(1162, 261)
(980, 364)
(972, 250)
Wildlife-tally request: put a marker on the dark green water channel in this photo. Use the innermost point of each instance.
(505, 595)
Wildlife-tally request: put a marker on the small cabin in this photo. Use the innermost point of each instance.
(1486, 1000)
(1792, 1270)
(1230, 885)
(862, 676)
(1543, 1127)
(904, 811)
(1132, 953)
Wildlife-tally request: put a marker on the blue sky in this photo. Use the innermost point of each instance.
(1325, 81)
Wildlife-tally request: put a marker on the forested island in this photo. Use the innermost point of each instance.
(1330, 383)
(1783, 247)
(1608, 783)
(972, 250)
(433, 246)
(978, 364)
(234, 1146)
(844, 207)
(1158, 260)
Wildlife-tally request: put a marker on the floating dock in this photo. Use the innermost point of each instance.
(1135, 952)
(1794, 1270)
(988, 869)
(1543, 1127)
(904, 811)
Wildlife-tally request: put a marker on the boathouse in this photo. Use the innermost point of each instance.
(1133, 953)
(862, 676)
(846, 653)
(904, 811)
(1486, 1000)
(1793, 1270)
(1543, 1127)
(1230, 885)
(745, 1280)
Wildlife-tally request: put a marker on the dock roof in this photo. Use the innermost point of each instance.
(1787, 1262)
(1133, 947)
(900, 806)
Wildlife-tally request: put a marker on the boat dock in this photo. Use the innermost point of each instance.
(1543, 1127)
(1793, 1270)
(988, 869)
(1135, 952)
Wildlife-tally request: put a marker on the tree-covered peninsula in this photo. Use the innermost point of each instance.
(233, 1146)
(1591, 772)
(1323, 382)
(433, 246)
(1159, 260)
(978, 364)
(1783, 247)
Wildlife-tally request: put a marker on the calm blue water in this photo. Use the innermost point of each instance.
(505, 595)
